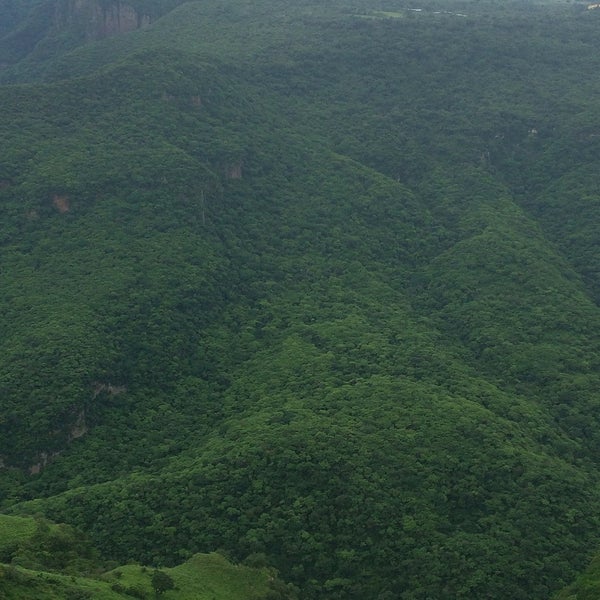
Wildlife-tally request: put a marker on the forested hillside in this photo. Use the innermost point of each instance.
(312, 284)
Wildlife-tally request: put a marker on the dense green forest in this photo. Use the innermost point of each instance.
(314, 285)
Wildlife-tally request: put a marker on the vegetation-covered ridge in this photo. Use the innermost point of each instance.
(314, 285)
(49, 561)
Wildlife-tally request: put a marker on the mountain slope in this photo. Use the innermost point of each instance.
(270, 288)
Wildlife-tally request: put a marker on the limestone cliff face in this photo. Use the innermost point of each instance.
(99, 18)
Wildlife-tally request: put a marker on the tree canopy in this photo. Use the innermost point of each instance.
(315, 283)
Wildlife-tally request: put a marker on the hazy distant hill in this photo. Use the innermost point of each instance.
(314, 285)
(35, 31)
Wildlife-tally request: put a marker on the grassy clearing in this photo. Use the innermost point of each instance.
(203, 577)
(17, 583)
(14, 530)
(382, 14)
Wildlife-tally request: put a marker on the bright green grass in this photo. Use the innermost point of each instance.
(203, 577)
(14, 530)
(23, 584)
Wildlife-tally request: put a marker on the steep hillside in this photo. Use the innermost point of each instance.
(310, 284)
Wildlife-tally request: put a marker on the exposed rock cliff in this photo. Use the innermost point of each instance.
(99, 18)
(41, 28)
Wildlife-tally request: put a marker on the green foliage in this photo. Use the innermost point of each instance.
(14, 531)
(203, 577)
(585, 587)
(161, 582)
(313, 284)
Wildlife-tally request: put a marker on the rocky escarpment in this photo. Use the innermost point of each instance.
(99, 18)
(38, 30)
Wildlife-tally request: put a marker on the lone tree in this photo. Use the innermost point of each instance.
(161, 582)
